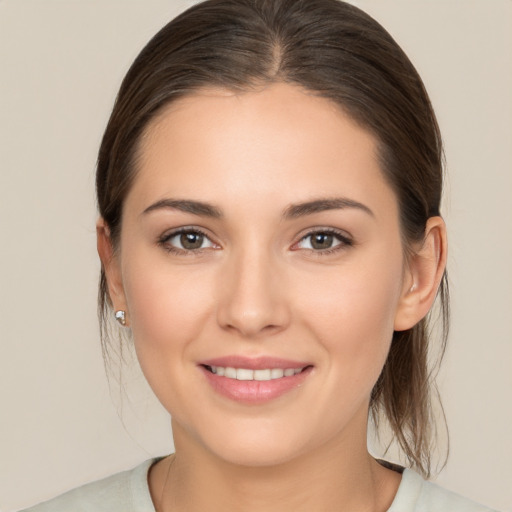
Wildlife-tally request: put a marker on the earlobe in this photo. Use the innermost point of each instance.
(423, 276)
(111, 265)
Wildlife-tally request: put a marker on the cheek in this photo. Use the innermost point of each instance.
(353, 316)
(167, 309)
(168, 312)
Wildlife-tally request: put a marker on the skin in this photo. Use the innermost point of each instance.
(258, 287)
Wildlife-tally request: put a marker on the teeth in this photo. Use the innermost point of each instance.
(230, 373)
(243, 374)
(262, 374)
(276, 373)
(247, 374)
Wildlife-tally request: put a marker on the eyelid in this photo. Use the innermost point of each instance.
(345, 239)
(168, 235)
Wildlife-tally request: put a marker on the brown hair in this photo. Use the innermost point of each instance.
(338, 52)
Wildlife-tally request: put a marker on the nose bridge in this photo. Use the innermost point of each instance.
(252, 300)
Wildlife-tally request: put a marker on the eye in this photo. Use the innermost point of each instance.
(186, 240)
(323, 241)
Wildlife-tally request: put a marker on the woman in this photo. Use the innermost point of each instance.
(269, 186)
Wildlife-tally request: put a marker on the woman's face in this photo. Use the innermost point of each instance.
(260, 241)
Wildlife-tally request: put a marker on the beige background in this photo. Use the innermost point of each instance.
(61, 63)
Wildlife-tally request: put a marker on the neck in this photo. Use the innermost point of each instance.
(337, 476)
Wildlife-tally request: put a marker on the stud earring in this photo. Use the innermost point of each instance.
(121, 317)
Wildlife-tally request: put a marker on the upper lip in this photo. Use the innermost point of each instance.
(254, 363)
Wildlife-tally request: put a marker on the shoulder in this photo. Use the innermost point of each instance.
(123, 492)
(418, 495)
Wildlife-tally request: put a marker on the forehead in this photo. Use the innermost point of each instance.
(277, 143)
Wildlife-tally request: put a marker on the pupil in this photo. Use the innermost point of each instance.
(322, 241)
(191, 240)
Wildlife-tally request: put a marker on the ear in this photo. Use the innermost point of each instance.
(111, 266)
(423, 276)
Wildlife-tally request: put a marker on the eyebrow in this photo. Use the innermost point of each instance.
(291, 212)
(321, 205)
(187, 206)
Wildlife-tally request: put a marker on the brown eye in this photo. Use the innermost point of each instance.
(324, 241)
(186, 240)
(191, 241)
(321, 241)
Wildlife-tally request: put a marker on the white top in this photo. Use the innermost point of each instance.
(129, 492)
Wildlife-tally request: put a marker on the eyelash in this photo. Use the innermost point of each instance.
(163, 241)
(344, 241)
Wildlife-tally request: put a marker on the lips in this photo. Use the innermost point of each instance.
(254, 380)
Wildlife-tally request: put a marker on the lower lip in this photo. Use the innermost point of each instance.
(254, 391)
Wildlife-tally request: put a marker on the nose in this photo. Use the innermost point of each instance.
(252, 301)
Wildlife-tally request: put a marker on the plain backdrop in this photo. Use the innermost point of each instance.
(61, 62)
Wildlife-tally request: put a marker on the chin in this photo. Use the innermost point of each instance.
(256, 455)
(256, 447)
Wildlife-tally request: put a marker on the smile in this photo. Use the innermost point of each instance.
(255, 381)
(264, 374)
